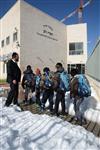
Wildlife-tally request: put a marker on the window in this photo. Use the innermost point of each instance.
(7, 40)
(72, 46)
(4, 68)
(2, 43)
(14, 36)
(76, 48)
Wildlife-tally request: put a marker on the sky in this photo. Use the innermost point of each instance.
(60, 8)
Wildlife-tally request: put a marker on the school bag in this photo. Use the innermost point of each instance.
(48, 82)
(38, 79)
(64, 81)
(29, 79)
(84, 89)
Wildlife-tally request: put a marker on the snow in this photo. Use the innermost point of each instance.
(22, 130)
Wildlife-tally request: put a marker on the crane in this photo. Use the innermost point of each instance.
(78, 10)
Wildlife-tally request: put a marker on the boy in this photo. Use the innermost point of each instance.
(79, 88)
(63, 86)
(28, 82)
(48, 91)
(37, 86)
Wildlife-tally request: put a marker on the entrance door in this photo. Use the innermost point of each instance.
(80, 67)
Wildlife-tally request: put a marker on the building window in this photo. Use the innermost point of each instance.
(7, 40)
(76, 48)
(15, 36)
(2, 43)
(4, 68)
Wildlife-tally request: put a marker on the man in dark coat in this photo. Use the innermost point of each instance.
(13, 78)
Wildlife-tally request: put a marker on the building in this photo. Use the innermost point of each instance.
(93, 63)
(40, 39)
(93, 68)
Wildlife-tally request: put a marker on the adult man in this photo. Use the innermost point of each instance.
(13, 78)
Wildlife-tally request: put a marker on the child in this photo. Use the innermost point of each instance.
(28, 82)
(37, 86)
(79, 88)
(63, 86)
(48, 91)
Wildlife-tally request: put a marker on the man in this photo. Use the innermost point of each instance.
(62, 87)
(13, 78)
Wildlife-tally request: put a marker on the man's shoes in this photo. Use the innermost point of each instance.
(18, 104)
(6, 105)
(54, 113)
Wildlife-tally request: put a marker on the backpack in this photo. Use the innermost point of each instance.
(64, 81)
(29, 78)
(84, 89)
(38, 79)
(48, 82)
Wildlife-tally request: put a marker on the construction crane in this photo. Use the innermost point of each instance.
(78, 11)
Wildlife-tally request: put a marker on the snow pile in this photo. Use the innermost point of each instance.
(25, 131)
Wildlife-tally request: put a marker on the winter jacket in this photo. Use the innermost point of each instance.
(28, 78)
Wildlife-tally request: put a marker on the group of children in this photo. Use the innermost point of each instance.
(58, 82)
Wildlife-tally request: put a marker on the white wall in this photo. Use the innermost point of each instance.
(77, 33)
(34, 45)
(93, 63)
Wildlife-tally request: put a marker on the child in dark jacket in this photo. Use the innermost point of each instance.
(48, 91)
(63, 86)
(28, 82)
(37, 86)
(79, 88)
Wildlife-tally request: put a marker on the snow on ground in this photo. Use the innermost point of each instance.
(27, 131)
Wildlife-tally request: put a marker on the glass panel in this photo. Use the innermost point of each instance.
(15, 36)
(2, 43)
(7, 40)
(3, 67)
(72, 46)
(76, 48)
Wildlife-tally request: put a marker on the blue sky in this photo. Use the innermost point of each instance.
(60, 8)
